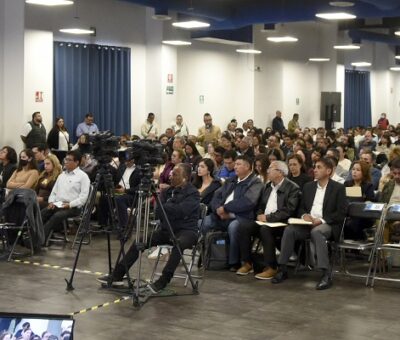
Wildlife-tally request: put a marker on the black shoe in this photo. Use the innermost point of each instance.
(233, 268)
(106, 279)
(280, 277)
(157, 286)
(325, 282)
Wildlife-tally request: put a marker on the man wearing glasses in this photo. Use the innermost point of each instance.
(68, 196)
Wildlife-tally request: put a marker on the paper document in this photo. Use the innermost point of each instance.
(272, 224)
(58, 204)
(353, 192)
(298, 221)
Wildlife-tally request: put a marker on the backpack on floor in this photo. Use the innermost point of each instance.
(216, 250)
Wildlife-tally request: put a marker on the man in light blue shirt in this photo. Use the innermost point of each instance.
(68, 196)
(88, 126)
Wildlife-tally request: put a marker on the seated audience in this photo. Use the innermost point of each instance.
(178, 156)
(228, 170)
(344, 162)
(192, 155)
(278, 202)
(234, 203)
(361, 178)
(68, 196)
(218, 159)
(8, 164)
(26, 175)
(258, 147)
(205, 181)
(323, 203)
(368, 157)
(83, 145)
(261, 164)
(297, 170)
(47, 179)
(181, 203)
(40, 155)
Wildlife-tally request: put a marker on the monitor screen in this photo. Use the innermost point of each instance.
(19, 326)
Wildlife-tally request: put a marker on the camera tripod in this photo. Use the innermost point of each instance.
(139, 217)
(104, 183)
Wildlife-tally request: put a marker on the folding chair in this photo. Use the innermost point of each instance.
(392, 215)
(196, 252)
(359, 210)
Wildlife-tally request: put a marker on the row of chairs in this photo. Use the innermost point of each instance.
(377, 250)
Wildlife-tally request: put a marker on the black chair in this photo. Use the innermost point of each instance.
(365, 210)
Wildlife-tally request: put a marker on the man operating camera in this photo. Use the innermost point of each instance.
(181, 203)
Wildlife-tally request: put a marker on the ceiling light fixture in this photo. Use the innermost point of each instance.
(319, 60)
(176, 42)
(286, 38)
(78, 30)
(395, 68)
(50, 2)
(397, 57)
(191, 24)
(248, 51)
(397, 33)
(361, 64)
(335, 16)
(347, 47)
(341, 3)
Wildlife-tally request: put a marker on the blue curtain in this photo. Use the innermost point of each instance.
(357, 99)
(93, 78)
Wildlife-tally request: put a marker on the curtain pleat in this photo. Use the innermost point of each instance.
(93, 78)
(357, 98)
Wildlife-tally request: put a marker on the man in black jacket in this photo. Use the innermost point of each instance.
(323, 205)
(278, 202)
(235, 203)
(277, 123)
(182, 204)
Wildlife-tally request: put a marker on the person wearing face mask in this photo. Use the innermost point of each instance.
(26, 175)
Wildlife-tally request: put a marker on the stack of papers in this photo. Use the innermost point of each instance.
(272, 224)
(298, 221)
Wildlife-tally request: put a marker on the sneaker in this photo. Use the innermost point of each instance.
(106, 279)
(266, 274)
(154, 254)
(157, 286)
(247, 268)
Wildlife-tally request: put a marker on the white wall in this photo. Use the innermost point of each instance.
(38, 74)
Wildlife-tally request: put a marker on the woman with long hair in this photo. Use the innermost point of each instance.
(47, 179)
(297, 170)
(261, 164)
(257, 145)
(385, 144)
(205, 182)
(360, 178)
(192, 155)
(26, 175)
(177, 157)
(58, 139)
(8, 164)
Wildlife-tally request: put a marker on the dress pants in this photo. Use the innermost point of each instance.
(53, 218)
(213, 222)
(270, 239)
(186, 240)
(318, 235)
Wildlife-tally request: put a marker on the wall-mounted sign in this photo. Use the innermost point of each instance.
(201, 99)
(170, 78)
(170, 90)
(38, 96)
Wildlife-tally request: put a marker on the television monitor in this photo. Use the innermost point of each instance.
(24, 326)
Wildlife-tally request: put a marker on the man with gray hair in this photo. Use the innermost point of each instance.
(278, 202)
(245, 147)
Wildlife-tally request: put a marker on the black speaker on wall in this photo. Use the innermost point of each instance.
(331, 104)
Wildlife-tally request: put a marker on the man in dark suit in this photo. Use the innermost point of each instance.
(323, 204)
(278, 202)
(277, 123)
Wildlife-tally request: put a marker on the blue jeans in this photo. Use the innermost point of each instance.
(213, 222)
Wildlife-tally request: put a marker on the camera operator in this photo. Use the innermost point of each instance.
(181, 202)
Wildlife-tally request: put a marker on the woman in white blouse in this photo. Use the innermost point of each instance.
(58, 139)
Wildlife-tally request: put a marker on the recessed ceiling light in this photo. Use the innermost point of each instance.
(397, 33)
(361, 64)
(395, 68)
(282, 39)
(50, 2)
(177, 42)
(347, 47)
(319, 60)
(248, 51)
(341, 3)
(335, 16)
(191, 24)
(397, 57)
(77, 31)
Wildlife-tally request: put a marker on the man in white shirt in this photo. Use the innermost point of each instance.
(68, 196)
(150, 129)
(323, 205)
(180, 128)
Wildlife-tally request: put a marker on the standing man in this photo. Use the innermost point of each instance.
(209, 132)
(294, 123)
(277, 123)
(68, 196)
(383, 122)
(180, 128)
(87, 126)
(323, 205)
(150, 128)
(34, 132)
